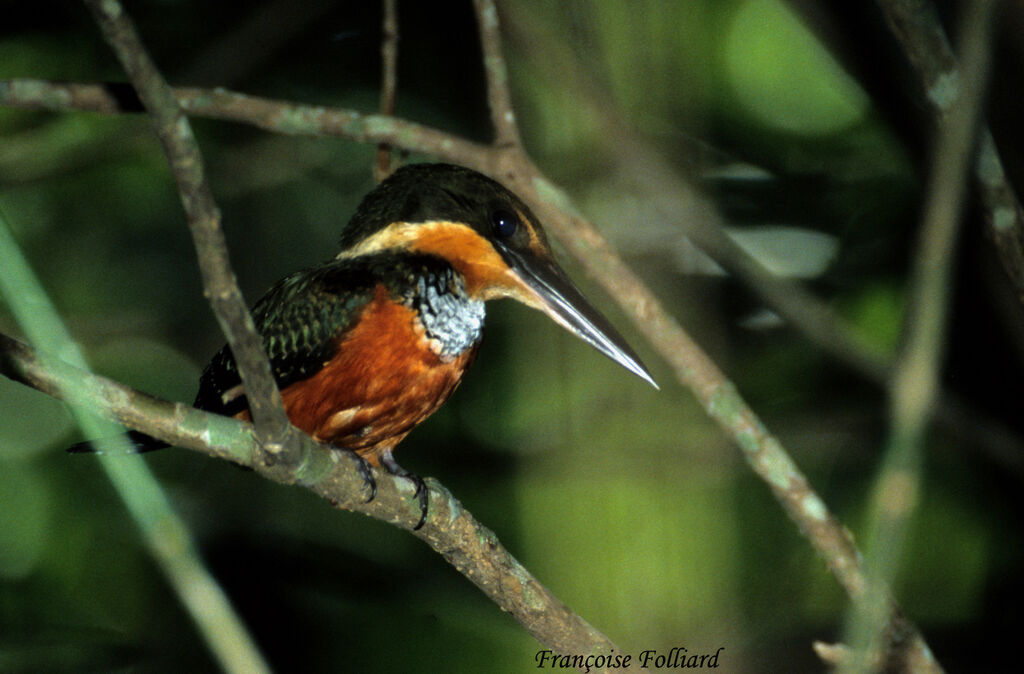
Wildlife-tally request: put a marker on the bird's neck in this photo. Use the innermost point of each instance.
(452, 319)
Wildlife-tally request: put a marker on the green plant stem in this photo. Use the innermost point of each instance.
(915, 381)
(163, 531)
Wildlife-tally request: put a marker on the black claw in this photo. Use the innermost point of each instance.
(367, 474)
(422, 493)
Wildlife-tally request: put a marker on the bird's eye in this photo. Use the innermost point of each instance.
(505, 222)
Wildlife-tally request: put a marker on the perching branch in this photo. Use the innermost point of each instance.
(220, 287)
(450, 530)
(461, 540)
(474, 551)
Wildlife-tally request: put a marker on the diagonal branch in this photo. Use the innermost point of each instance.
(721, 400)
(503, 116)
(450, 529)
(702, 223)
(221, 288)
(802, 309)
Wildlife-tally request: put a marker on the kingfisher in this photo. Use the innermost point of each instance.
(366, 346)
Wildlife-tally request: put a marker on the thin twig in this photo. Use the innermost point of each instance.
(271, 115)
(919, 31)
(450, 530)
(389, 82)
(915, 382)
(220, 286)
(503, 116)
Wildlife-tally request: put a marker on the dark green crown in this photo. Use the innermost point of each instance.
(425, 192)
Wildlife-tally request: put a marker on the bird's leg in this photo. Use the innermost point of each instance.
(364, 471)
(422, 493)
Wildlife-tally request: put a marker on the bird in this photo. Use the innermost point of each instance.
(367, 345)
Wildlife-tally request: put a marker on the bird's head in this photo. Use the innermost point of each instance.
(489, 236)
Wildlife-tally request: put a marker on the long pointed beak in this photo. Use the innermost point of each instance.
(560, 299)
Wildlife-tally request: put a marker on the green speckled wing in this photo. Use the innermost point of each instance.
(300, 320)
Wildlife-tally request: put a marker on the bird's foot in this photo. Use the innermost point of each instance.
(366, 473)
(422, 493)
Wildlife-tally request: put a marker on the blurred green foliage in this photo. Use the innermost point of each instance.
(799, 89)
(625, 501)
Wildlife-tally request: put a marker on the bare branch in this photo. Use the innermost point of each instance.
(450, 530)
(389, 82)
(918, 365)
(503, 116)
(276, 116)
(221, 288)
(701, 222)
(806, 312)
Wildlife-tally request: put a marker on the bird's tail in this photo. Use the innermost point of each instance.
(138, 442)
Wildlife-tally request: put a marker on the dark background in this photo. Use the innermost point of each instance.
(627, 502)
